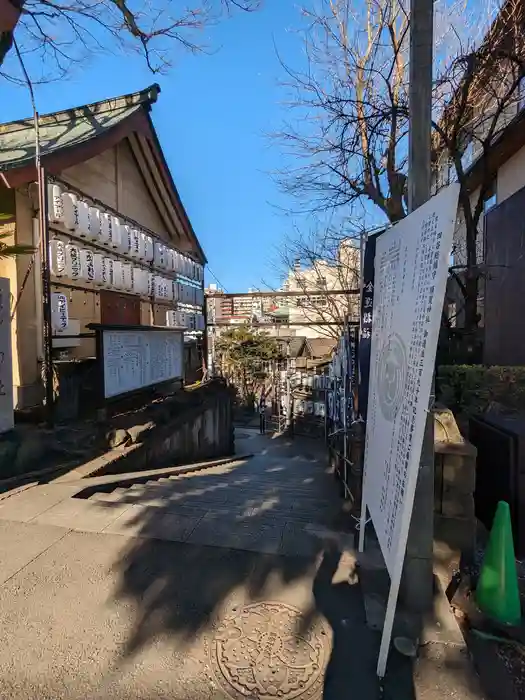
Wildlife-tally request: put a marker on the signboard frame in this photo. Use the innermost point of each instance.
(424, 238)
(102, 332)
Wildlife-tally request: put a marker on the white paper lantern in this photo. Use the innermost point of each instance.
(142, 245)
(125, 240)
(118, 281)
(169, 290)
(59, 311)
(116, 233)
(171, 318)
(158, 287)
(70, 205)
(94, 224)
(109, 269)
(134, 247)
(98, 266)
(149, 248)
(144, 282)
(151, 284)
(73, 262)
(106, 228)
(83, 219)
(55, 206)
(87, 265)
(159, 254)
(175, 290)
(137, 280)
(127, 277)
(57, 257)
(170, 259)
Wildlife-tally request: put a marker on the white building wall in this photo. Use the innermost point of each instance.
(511, 176)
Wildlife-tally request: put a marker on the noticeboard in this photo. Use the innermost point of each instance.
(136, 359)
(411, 268)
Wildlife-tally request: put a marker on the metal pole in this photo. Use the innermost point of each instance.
(47, 373)
(43, 224)
(417, 583)
(289, 416)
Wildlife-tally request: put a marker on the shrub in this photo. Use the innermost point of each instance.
(470, 389)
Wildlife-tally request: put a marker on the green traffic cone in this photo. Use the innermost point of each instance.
(497, 592)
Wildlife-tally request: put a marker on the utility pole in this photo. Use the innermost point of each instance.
(417, 581)
(289, 404)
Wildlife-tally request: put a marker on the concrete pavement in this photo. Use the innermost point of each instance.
(234, 582)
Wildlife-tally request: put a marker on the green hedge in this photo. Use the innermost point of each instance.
(468, 389)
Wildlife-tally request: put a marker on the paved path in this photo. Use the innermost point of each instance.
(233, 582)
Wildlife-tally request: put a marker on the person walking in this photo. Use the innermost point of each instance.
(262, 414)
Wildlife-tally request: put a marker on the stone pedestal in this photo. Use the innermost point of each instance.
(454, 484)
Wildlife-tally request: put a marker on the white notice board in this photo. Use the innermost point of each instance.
(135, 359)
(411, 269)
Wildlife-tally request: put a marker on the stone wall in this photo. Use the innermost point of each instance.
(190, 426)
(182, 427)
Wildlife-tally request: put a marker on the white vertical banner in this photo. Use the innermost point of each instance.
(7, 419)
(411, 269)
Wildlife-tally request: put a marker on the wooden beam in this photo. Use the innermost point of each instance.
(153, 187)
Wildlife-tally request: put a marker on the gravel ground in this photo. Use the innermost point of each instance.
(513, 658)
(511, 655)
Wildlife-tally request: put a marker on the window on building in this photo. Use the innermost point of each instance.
(490, 200)
(451, 172)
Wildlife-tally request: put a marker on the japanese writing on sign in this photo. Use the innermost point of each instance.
(411, 268)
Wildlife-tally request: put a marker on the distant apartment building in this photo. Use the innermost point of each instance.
(219, 306)
(323, 313)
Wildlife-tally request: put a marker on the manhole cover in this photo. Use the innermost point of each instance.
(260, 652)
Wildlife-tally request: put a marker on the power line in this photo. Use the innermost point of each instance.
(216, 279)
(302, 293)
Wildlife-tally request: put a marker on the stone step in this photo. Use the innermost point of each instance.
(111, 497)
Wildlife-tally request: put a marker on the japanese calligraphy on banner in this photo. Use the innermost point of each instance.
(367, 301)
(7, 420)
(411, 268)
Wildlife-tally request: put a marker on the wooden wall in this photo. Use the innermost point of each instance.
(115, 179)
(505, 284)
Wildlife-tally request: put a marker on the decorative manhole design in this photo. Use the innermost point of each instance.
(259, 652)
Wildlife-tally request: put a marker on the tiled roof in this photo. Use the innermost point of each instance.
(320, 347)
(69, 128)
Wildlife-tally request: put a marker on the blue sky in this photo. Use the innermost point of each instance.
(212, 117)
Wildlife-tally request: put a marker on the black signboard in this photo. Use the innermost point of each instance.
(365, 339)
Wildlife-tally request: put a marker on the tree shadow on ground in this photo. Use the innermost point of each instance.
(255, 531)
